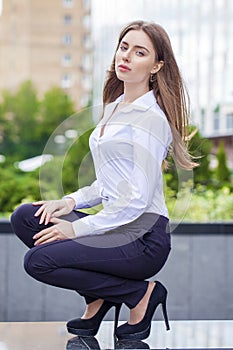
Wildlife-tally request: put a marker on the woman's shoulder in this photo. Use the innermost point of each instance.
(153, 122)
(152, 118)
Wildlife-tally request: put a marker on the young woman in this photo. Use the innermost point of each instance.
(107, 257)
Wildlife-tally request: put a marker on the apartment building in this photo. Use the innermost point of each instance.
(48, 42)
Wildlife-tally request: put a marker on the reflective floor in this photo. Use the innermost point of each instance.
(53, 336)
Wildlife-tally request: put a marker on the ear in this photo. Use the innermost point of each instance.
(157, 67)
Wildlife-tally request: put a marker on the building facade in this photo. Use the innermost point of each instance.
(223, 130)
(48, 42)
(201, 37)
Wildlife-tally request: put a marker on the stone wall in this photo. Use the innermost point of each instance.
(198, 276)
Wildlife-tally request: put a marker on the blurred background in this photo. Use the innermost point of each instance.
(53, 61)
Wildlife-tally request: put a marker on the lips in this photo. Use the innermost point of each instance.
(123, 68)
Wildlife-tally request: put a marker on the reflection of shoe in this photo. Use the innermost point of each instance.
(82, 343)
(131, 344)
(141, 330)
(89, 327)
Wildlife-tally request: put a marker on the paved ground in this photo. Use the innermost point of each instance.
(53, 336)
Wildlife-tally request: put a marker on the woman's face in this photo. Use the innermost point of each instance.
(135, 58)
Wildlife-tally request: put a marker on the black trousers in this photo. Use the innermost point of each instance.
(110, 266)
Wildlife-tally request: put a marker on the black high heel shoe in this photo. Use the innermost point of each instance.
(89, 327)
(141, 330)
(83, 343)
(130, 344)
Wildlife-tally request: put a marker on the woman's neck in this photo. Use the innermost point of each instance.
(133, 91)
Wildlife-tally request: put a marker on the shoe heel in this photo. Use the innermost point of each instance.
(164, 308)
(90, 327)
(117, 312)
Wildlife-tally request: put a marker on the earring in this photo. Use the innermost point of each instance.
(152, 78)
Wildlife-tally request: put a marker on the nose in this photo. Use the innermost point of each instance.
(126, 56)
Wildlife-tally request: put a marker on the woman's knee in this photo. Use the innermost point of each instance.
(29, 262)
(23, 218)
(25, 224)
(21, 213)
(36, 263)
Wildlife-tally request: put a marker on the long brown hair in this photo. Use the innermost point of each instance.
(168, 88)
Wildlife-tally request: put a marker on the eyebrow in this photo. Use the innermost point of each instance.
(137, 46)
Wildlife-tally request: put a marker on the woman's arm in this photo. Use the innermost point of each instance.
(86, 197)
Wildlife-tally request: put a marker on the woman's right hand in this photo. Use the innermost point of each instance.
(54, 208)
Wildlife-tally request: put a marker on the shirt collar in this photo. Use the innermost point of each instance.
(142, 103)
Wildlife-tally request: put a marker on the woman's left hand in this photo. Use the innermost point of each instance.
(61, 229)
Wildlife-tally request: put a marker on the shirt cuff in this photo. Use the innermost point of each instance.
(82, 228)
(78, 198)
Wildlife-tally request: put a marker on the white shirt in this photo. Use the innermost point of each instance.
(128, 165)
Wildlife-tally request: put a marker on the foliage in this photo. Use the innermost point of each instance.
(19, 113)
(72, 162)
(26, 122)
(50, 181)
(55, 107)
(200, 149)
(201, 205)
(17, 187)
(222, 173)
(78, 162)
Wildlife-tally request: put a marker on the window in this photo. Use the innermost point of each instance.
(203, 119)
(68, 3)
(229, 121)
(87, 82)
(67, 39)
(87, 41)
(86, 63)
(216, 123)
(66, 59)
(67, 19)
(66, 81)
(87, 4)
(87, 22)
(84, 100)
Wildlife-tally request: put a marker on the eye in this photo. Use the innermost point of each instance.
(140, 53)
(123, 47)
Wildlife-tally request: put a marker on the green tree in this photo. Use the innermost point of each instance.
(8, 129)
(16, 187)
(19, 118)
(200, 148)
(222, 172)
(78, 168)
(27, 123)
(56, 106)
(26, 112)
(72, 161)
